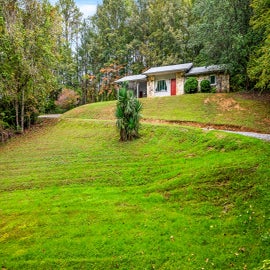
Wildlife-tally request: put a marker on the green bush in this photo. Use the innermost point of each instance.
(213, 89)
(191, 85)
(205, 86)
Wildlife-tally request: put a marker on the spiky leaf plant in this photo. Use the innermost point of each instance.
(128, 115)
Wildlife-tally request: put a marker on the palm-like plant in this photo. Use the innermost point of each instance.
(128, 115)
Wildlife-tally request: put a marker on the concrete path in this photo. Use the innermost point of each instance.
(50, 116)
(265, 137)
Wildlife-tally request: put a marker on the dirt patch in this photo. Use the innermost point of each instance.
(107, 113)
(200, 125)
(224, 103)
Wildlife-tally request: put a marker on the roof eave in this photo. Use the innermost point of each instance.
(165, 72)
(206, 72)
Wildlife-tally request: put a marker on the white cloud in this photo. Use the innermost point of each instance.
(87, 10)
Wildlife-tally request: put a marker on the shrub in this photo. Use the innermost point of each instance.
(68, 99)
(128, 115)
(213, 89)
(191, 85)
(205, 86)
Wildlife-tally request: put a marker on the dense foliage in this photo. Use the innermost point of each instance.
(205, 86)
(123, 37)
(128, 115)
(191, 85)
(28, 59)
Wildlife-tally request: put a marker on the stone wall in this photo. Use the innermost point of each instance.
(180, 81)
(151, 86)
(222, 84)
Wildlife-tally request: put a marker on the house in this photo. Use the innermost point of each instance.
(170, 80)
(137, 83)
(217, 75)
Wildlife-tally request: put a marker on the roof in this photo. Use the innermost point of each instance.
(204, 70)
(168, 69)
(131, 78)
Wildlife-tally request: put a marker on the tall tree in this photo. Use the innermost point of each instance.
(160, 32)
(113, 35)
(29, 57)
(69, 44)
(222, 34)
(89, 64)
(259, 65)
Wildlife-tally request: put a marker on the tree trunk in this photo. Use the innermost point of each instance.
(17, 113)
(22, 112)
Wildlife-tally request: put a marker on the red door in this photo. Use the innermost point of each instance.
(173, 87)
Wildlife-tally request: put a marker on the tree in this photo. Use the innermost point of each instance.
(128, 115)
(107, 89)
(69, 44)
(113, 34)
(259, 65)
(161, 32)
(29, 56)
(89, 65)
(222, 34)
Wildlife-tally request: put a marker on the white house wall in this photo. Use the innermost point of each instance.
(167, 78)
(152, 84)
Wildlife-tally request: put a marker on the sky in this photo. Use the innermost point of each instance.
(87, 7)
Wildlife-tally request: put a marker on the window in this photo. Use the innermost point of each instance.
(212, 79)
(161, 86)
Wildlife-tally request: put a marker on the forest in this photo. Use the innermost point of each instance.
(54, 59)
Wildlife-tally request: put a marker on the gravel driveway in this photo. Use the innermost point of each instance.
(50, 116)
(265, 137)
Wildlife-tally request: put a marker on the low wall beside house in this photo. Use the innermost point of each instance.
(222, 82)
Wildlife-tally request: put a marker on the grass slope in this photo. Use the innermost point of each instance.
(73, 197)
(232, 109)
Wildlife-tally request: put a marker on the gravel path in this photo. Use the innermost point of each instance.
(265, 137)
(50, 116)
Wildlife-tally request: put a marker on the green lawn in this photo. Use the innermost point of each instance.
(73, 197)
(230, 109)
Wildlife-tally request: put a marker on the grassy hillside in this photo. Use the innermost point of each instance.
(73, 197)
(232, 109)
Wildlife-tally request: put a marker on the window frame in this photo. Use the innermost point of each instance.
(160, 89)
(215, 79)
